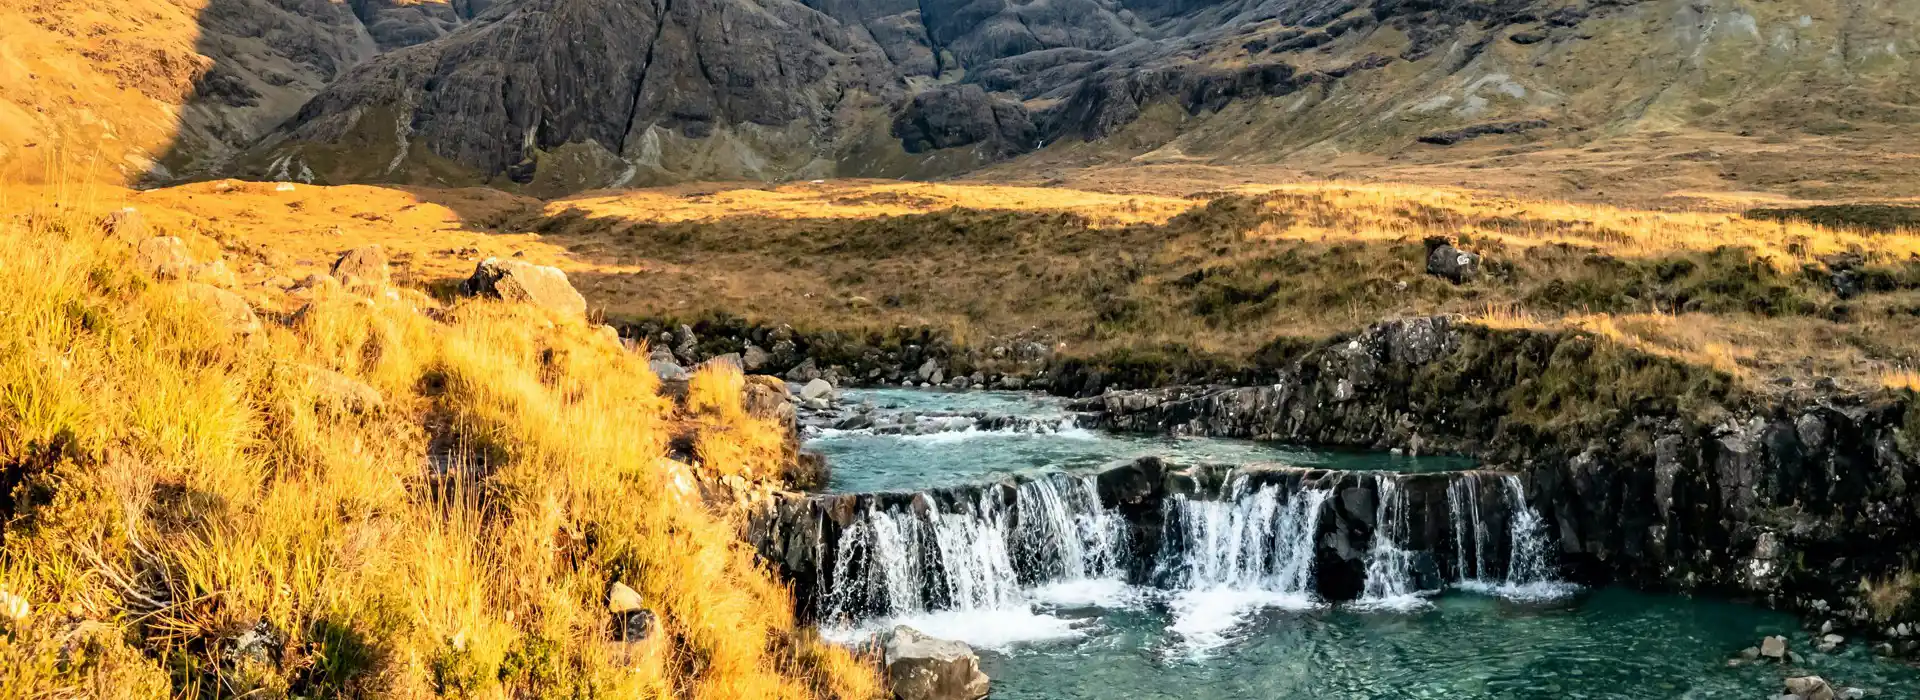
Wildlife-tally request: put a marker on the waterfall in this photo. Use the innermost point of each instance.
(986, 555)
(1250, 540)
(1225, 558)
(1389, 582)
(1528, 565)
(1066, 534)
(1472, 541)
(1529, 571)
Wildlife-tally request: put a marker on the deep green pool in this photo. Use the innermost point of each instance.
(1098, 638)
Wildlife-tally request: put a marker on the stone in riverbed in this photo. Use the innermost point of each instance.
(754, 359)
(920, 667)
(816, 389)
(1774, 647)
(1811, 688)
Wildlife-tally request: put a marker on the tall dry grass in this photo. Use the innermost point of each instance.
(195, 513)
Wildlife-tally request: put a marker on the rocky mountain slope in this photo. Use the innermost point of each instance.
(554, 96)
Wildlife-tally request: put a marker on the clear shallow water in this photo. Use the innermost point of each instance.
(1603, 644)
(864, 461)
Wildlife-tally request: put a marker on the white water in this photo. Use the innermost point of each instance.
(952, 572)
(1390, 584)
(1230, 558)
(1530, 574)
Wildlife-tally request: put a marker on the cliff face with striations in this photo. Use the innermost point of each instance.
(583, 93)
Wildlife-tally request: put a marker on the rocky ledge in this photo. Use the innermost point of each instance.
(1648, 471)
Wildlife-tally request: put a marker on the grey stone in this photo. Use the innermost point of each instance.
(1774, 647)
(816, 389)
(366, 263)
(163, 257)
(1454, 264)
(1810, 688)
(754, 359)
(521, 281)
(920, 667)
(231, 310)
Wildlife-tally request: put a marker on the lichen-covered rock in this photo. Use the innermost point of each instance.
(163, 257)
(920, 667)
(231, 310)
(1455, 265)
(366, 263)
(521, 281)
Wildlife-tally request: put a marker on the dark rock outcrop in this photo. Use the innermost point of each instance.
(964, 115)
(1651, 472)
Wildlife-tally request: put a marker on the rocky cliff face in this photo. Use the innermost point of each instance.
(582, 93)
(1650, 472)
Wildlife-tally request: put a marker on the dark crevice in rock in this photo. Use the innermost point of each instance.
(661, 10)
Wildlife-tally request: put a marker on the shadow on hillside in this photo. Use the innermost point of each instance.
(265, 59)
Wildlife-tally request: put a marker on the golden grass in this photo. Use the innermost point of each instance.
(202, 514)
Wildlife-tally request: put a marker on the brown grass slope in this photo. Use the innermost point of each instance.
(194, 513)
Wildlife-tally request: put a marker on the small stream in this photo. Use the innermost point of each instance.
(1037, 579)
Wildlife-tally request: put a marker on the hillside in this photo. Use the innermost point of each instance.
(361, 491)
(1811, 98)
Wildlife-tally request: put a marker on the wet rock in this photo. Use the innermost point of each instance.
(1811, 688)
(1828, 643)
(920, 667)
(818, 389)
(163, 257)
(1774, 647)
(367, 264)
(521, 281)
(1453, 264)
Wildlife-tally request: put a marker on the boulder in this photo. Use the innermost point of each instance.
(163, 257)
(128, 224)
(226, 306)
(1828, 643)
(806, 371)
(366, 263)
(927, 370)
(766, 397)
(1774, 647)
(342, 395)
(731, 359)
(816, 389)
(920, 667)
(632, 621)
(754, 359)
(521, 281)
(664, 367)
(1454, 264)
(1811, 688)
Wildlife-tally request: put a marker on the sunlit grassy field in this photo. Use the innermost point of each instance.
(362, 499)
(1220, 272)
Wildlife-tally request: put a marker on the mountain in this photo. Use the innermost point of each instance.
(552, 96)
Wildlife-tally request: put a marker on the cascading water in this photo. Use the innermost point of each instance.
(1389, 582)
(989, 560)
(1529, 569)
(1226, 558)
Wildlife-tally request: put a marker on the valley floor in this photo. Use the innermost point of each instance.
(1145, 261)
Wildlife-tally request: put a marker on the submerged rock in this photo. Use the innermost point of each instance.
(1811, 688)
(920, 667)
(1774, 647)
